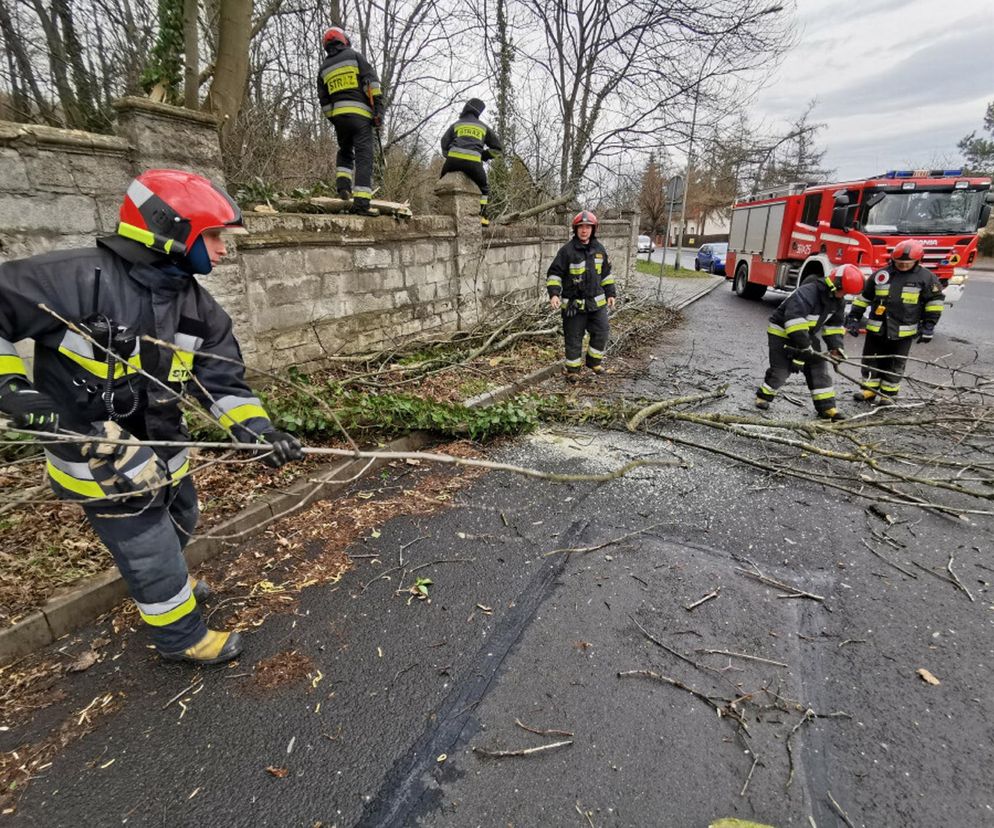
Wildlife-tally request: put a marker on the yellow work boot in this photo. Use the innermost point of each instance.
(864, 395)
(201, 590)
(484, 221)
(832, 414)
(763, 404)
(214, 648)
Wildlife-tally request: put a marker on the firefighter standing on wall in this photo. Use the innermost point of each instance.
(352, 100)
(905, 302)
(816, 307)
(466, 145)
(140, 282)
(580, 283)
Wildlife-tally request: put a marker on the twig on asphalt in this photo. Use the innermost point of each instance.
(809, 714)
(666, 647)
(713, 594)
(569, 550)
(584, 814)
(501, 754)
(794, 592)
(724, 711)
(958, 582)
(743, 655)
(183, 692)
(755, 761)
(898, 567)
(403, 546)
(523, 726)
(839, 811)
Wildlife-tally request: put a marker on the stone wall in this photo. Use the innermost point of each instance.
(298, 287)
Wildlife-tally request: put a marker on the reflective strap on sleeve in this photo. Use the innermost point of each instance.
(236, 410)
(554, 281)
(833, 331)
(935, 307)
(860, 302)
(776, 330)
(10, 360)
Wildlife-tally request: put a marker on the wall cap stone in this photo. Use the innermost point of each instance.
(65, 139)
(146, 106)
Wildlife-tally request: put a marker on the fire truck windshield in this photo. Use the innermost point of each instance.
(923, 212)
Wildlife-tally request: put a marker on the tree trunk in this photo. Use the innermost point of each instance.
(19, 56)
(191, 55)
(231, 65)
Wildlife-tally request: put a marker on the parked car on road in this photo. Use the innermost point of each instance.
(711, 257)
(644, 245)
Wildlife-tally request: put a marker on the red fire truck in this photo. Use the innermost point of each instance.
(779, 238)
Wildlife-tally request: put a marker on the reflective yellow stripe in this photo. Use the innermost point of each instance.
(166, 618)
(353, 109)
(129, 231)
(241, 413)
(12, 365)
(860, 302)
(86, 488)
(936, 308)
(833, 331)
(99, 367)
(776, 331)
(465, 156)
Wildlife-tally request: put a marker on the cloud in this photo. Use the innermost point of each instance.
(944, 72)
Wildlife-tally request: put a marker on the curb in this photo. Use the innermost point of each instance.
(100, 593)
(701, 293)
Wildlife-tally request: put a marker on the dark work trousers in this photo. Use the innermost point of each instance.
(884, 361)
(147, 543)
(354, 134)
(476, 173)
(574, 327)
(815, 371)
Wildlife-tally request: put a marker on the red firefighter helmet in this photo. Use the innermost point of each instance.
(168, 210)
(585, 217)
(846, 279)
(908, 250)
(336, 35)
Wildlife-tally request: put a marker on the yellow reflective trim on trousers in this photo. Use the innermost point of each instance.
(824, 395)
(358, 109)
(99, 367)
(12, 365)
(464, 156)
(241, 413)
(934, 308)
(86, 488)
(833, 331)
(167, 618)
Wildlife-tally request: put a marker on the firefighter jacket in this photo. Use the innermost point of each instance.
(899, 302)
(121, 286)
(810, 310)
(469, 139)
(347, 84)
(581, 272)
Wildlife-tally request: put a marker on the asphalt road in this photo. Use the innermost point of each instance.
(835, 713)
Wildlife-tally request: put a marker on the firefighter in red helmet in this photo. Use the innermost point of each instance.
(97, 375)
(905, 302)
(351, 98)
(580, 284)
(816, 308)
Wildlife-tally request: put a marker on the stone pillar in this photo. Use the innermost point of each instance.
(170, 136)
(633, 217)
(460, 198)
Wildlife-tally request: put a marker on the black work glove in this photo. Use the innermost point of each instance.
(926, 332)
(29, 409)
(286, 447)
(852, 326)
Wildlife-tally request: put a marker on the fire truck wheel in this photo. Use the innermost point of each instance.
(743, 287)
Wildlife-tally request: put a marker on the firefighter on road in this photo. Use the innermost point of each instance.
(352, 100)
(466, 145)
(816, 308)
(905, 302)
(581, 286)
(98, 379)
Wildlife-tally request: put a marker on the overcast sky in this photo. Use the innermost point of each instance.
(898, 82)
